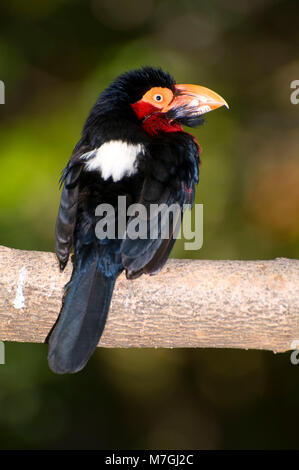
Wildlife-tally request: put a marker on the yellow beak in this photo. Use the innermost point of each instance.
(195, 98)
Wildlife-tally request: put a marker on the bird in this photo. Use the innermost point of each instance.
(133, 146)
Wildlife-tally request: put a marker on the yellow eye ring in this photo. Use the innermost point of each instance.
(158, 96)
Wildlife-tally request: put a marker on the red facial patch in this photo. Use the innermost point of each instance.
(143, 109)
(157, 123)
(153, 121)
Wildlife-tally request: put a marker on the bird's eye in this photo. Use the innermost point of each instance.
(158, 97)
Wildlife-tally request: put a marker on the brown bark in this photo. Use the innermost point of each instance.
(191, 303)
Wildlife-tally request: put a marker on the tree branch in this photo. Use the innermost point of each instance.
(191, 303)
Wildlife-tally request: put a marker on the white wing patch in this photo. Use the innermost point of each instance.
(114, 159)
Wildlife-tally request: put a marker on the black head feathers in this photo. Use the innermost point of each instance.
(115, 101)
(129, 87)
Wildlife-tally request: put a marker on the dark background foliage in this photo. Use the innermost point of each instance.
(55, 58)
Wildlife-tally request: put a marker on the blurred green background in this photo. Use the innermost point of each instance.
(55, 58)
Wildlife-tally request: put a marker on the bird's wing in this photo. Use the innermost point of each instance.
(66, 219)
(149, 252)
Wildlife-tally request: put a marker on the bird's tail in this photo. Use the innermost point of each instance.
(82, 319)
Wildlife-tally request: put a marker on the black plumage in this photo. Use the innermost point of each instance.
(164, 171)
